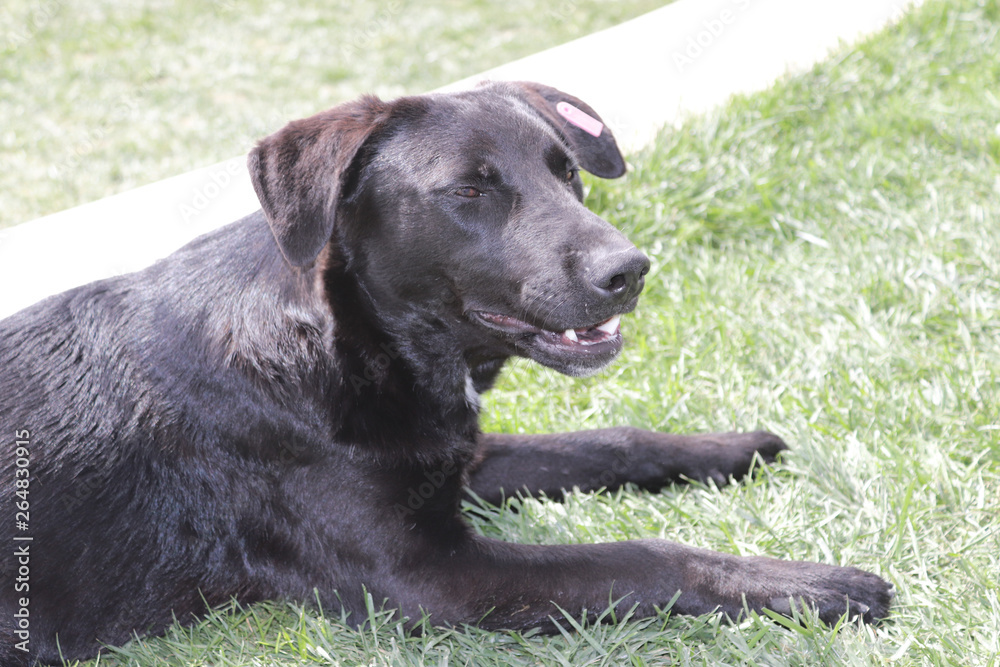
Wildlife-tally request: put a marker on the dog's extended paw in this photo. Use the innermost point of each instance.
(833, 592)
(726, 456)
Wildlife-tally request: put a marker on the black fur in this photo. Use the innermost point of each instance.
(290, 403)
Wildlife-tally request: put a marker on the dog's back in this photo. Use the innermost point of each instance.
(120, 393)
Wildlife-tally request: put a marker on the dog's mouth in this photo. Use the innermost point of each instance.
(595, 334)
(574, 350)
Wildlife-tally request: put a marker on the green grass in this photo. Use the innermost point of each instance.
(825, 265)
(102, 96)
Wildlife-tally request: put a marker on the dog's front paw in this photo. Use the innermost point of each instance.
(725, 456)
(832, 592)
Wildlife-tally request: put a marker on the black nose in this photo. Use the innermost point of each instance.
(619, 276)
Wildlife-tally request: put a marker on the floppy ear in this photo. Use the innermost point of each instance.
(297, 173)
(585, 132)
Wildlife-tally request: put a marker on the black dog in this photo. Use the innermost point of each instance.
(290, 404)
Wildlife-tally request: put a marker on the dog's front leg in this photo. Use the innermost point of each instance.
(611, 457)
(499, 585)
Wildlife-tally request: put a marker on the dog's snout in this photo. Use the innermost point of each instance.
(623, 275)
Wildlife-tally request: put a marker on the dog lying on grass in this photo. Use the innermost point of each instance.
(290, 404)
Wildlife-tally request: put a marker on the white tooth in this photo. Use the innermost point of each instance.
(611, 326)
(571, 334)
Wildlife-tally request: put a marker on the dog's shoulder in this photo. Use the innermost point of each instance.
(149, 342)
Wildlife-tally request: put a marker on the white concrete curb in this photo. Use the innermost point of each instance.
(640, 76)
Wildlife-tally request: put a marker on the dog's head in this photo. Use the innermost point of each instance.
(463, 212)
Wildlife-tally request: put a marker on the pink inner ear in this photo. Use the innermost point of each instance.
(581, 119)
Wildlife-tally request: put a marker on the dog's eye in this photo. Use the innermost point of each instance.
(571, 175)
(469, 192)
